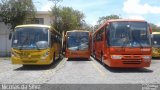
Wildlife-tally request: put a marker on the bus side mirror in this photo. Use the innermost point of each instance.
(150, 29)
(151, 35)
(10, 36)
(152, 42)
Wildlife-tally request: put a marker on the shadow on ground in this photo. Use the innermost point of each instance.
(155, 58)
(39, 67)
(78, 59)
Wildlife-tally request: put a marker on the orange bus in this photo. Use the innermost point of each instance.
(77, 44)
(123, 43)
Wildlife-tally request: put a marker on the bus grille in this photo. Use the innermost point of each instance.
(132, 61)
(32, 56)
(131, 57)
(29, 61)
(35, 56)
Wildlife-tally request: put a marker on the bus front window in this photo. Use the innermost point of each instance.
(130, 34)
(156, 40)
(30, 38)
(78, 41)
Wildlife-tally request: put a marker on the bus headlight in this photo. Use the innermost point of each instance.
(45, 54)
(146, 57)
(116, 57)
(146, 49)
(14, 54)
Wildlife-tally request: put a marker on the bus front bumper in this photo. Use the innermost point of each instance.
(27, 61)
(120, 64)
(131, 62)
(78, 54)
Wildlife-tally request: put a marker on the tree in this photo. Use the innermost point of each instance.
(155, 28)
(67, 19)
(105, 18)
(55, 2)
(55, 12)
(102, 19)
(15, 12)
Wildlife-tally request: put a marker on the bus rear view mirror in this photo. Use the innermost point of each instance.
(151, 35)
(10, 36)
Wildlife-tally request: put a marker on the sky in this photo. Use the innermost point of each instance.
(148, 10)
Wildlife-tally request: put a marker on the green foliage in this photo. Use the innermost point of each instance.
(14, 12)
(105, 18)
(66, 18)
(155, 28)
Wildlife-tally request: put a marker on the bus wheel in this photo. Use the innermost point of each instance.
(54, 57)
(59, 56)
(102, 59)
(25, 66)
(94, 55)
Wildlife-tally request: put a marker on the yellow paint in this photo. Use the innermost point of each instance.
(99, 70)
(156, 50)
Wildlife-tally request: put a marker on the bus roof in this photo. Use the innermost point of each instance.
(121, 20)
(37, 25)
(131, 20)
(33, 25)
(155, 32)
(78, 31)
(118, 20)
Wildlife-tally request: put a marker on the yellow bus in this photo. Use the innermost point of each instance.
(35, 45)
(156, 44)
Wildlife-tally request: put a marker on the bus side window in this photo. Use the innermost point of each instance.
(107, 34)
(102, 34)
(97, 37)
(52, 39)
(55, 38)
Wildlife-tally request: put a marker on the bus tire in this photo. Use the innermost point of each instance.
(59, 56)
(25, 66)
(102, 59)
(94, 55)
(54, 57)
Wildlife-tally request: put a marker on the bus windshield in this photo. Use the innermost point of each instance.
(77, 40)
(30, 38)
(129, 34)
(156, 40)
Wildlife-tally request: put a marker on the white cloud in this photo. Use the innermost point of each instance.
(47, 6)
(83, 4)
(136, 17)
(135, 7)
(158, 24)
(93, 23)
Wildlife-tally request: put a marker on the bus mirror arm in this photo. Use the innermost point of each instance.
(10, 35)
(150, 29)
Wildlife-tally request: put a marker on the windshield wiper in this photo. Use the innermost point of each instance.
(136, 40)
(37, 47)
(36, 44)
(23, 43)
(123, 45)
